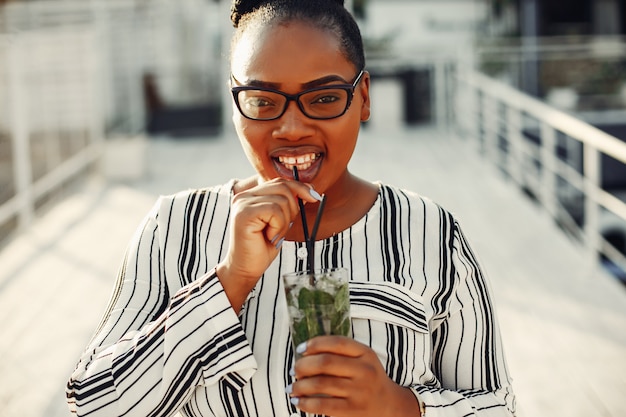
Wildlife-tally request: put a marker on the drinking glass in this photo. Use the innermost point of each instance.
(318, 304)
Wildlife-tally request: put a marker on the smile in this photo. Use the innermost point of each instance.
(303, 162)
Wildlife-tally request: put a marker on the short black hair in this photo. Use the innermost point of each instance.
(329, 15)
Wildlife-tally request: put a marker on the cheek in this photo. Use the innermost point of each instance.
(342, 141)
(253, 143)
(238, 121)
(351, 133)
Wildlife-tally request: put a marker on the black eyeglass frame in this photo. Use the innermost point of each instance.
(296, 97)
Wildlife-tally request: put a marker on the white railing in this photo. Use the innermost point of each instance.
(51, 124)
(588, 69)
(552, 155)
(72, 72)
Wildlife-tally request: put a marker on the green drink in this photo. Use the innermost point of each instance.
(318, 304)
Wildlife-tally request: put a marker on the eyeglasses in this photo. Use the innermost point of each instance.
(322, 103)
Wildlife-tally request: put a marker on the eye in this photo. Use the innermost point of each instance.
(326, 97)
(252, 100)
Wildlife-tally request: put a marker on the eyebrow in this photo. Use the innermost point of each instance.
(311, 84)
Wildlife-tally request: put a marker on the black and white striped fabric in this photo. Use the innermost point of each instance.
(170, 342)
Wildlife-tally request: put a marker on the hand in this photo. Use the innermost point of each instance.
(260, 217)
(350, 379)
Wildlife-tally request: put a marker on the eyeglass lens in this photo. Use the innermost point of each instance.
(320, 104)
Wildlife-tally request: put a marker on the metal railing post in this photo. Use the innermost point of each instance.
(592, 171)
(478, 121)
(97, 118)
(490, 128)
(547, 186)
(440, 93)
(514, 136)
(466, 107)
(22, 169)
(226, 98)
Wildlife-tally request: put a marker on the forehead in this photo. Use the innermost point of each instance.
(289, 52)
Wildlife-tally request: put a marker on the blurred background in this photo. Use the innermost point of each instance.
(105, 104)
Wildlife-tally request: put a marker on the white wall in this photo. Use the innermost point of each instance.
(54, 72)
(425, 24)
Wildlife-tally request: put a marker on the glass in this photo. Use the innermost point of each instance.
(327, 102)
(318, 304)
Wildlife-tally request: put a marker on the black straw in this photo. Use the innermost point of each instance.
(305, 227)
(309, 240)
(316, 225)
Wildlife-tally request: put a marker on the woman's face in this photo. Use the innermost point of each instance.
(294, 57)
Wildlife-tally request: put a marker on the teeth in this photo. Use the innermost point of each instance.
(297, 160)
(302, 162)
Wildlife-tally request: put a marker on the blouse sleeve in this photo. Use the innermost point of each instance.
(467, 347)
(154, 348)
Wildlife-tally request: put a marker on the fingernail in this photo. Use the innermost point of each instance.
(315, 194)
(280, 243)
(294, 400)
(288, 389)
(274, 239)
(290, 224)
(292, 371)
(301, 348)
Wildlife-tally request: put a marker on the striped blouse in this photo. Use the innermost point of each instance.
(170, 342)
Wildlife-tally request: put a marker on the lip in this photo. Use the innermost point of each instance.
(307, 159)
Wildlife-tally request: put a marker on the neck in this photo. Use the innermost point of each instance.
(346, 202)
(339, 194)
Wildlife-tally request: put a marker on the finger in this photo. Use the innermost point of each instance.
(270, 215)
(327, 364)
(277, 226)
(339, 345)
(321, 405)
(298, 189)
(321, 385)
(276, 188)
(289, 190)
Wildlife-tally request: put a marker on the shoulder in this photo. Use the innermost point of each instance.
(390, 193)
(417, 212)
(186, 202)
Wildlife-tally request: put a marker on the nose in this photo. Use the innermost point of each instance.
(293, 124)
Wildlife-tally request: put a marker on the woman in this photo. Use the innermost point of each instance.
(198, 322)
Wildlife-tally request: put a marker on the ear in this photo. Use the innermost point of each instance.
(364, 91)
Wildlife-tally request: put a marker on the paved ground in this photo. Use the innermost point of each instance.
(563, 320)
